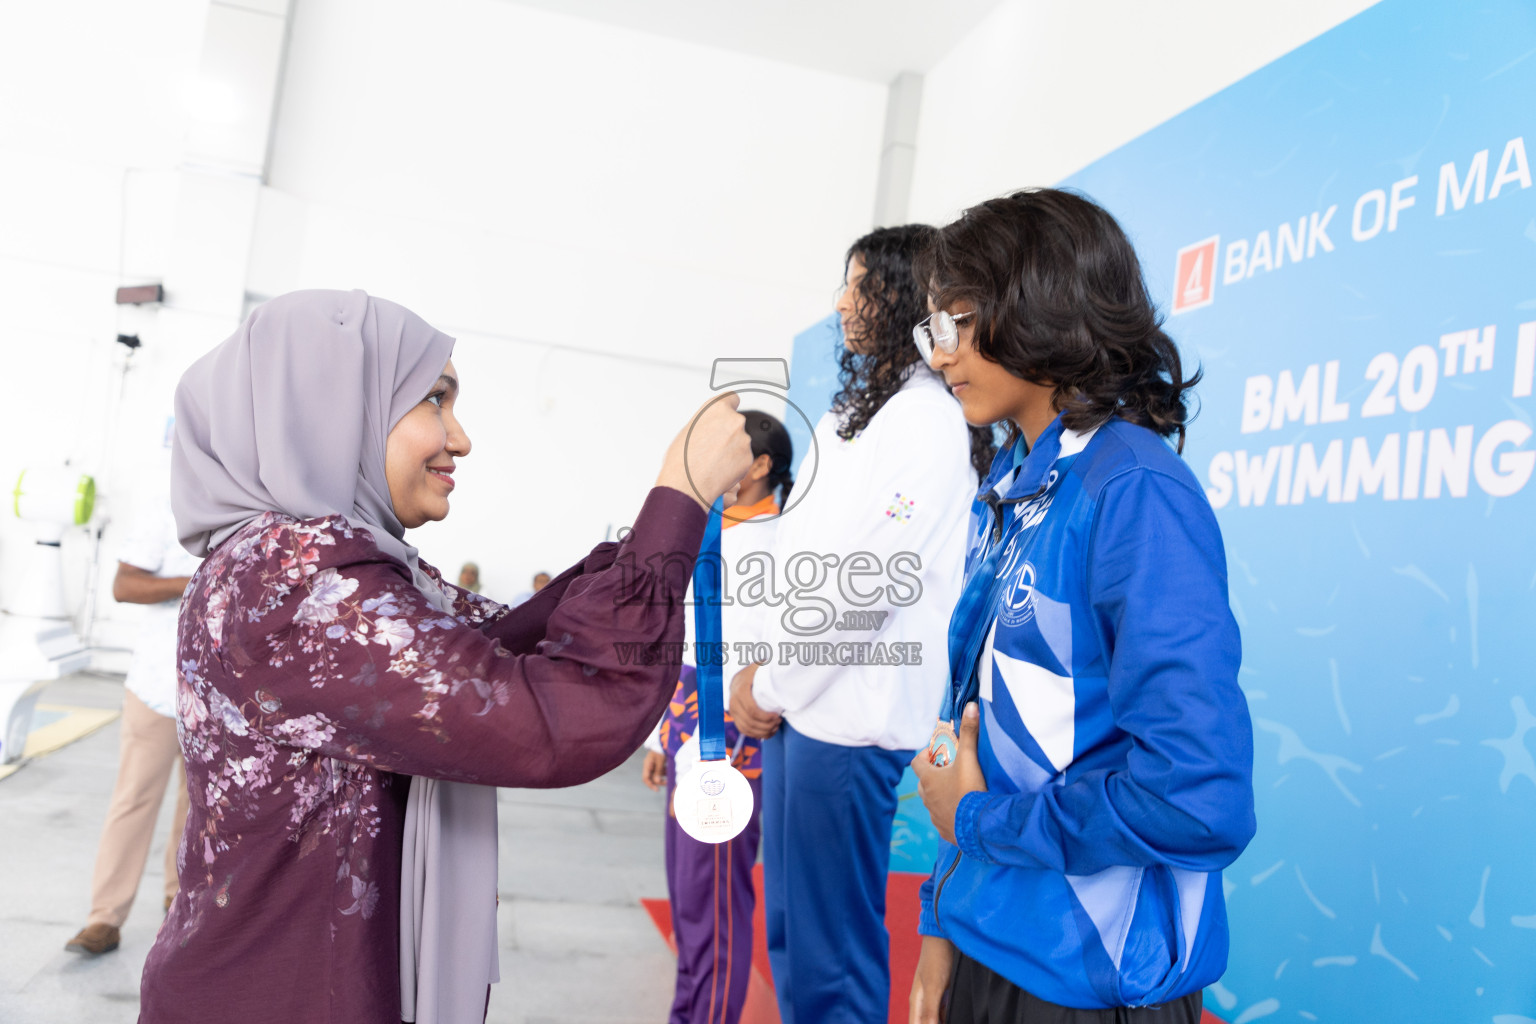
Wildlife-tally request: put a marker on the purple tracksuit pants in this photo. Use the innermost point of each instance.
(710, 890)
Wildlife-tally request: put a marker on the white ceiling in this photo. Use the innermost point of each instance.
(869, 39)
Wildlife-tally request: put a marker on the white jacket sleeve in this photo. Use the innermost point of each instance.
(874, 543)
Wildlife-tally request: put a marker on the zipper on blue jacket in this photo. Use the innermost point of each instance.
(939, 889)
(995, 503)
(992, 501)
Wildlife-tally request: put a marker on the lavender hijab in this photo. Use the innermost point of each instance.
(291, 414)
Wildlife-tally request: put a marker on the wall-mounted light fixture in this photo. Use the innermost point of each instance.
(139, 294)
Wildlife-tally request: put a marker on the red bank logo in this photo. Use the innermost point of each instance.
(1194, 275)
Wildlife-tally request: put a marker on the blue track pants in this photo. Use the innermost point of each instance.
(827, 815)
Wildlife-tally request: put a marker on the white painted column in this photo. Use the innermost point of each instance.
(898, 151)
(228, 107)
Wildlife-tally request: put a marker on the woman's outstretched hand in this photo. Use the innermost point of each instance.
(710, 454)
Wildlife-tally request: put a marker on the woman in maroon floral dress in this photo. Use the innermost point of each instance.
(321, 662)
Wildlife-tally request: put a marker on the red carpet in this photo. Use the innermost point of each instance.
(901, 908)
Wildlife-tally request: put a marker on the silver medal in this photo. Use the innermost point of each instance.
(713, 802)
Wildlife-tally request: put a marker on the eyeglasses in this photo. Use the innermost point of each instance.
(938, 330)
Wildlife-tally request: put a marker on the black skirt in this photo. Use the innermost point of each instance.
(979, 995)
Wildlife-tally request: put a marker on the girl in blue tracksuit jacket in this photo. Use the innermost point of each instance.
(1100, 756)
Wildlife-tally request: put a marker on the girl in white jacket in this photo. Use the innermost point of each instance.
(870, 560)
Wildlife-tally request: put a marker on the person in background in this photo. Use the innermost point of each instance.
(892, 489)
(469, 577)
(540, 581)
(710, 887)
(1103, 773)
(153, 569)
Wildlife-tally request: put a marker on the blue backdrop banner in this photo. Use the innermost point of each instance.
(812, 380)
(1345, 242)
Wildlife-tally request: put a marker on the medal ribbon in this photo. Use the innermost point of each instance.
(972, 618)
(710, 648)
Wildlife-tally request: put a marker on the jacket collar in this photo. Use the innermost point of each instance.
(1054, 442)
(920, 374)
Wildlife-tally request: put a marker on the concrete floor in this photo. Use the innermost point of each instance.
(577, 948)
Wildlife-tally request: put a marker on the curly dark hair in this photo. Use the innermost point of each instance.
(1060, 301)
(889, 302)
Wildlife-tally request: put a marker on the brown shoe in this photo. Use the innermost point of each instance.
(94, 940)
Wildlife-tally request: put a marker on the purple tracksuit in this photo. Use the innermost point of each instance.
(710, 886)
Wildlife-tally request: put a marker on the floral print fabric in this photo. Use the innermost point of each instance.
(313, 675)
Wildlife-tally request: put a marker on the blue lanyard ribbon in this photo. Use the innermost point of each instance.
(973, 617)
(710, 648)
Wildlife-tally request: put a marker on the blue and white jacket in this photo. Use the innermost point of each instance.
(1115, 741)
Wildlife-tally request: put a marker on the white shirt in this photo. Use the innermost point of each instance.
(886, 518)
(151, 545)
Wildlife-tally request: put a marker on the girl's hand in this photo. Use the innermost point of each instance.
(749, 718)
(654, 771)
(930, 985)
(942, 788)
(710, 454)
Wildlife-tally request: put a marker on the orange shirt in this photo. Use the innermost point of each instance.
(738, 514)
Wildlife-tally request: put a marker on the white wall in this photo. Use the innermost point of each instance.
(534, 183)
(91, 132)
(1042, 88)
(596, 213)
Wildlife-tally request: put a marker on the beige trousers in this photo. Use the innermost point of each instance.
(148, 753)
